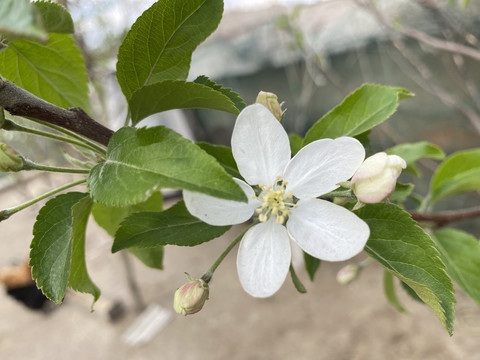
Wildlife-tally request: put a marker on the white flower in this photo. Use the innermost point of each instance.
(376, 178)
(286, 202)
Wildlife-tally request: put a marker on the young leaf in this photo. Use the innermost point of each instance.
(297, 282)
(311, 265)
(360, 111)
(109, 217)
(159, 45)
(54, 18)
(405, 250)
(79, 279)
(140, 161)
(459, 173)
(460, 252)
(54, 72)
(402, 191)
(389, 289)
(223, 155)
(232, 95)
(174, 226)
(17, 20)
(411, 153)
(296, 143)
(170, 94)
(57, 249)
(411, 293)
(151, 257)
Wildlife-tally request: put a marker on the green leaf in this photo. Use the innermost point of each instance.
(171, 94)
(296, 143)
(459, 173)
(411, 153)
(389, 289)
(109, 217)
(232, 95)
(54, 72)
(17, 20)
(174, 226)
(311, 265)
(223, 154)
(140, 161)
(57, 250)
(159, 45)
(402, 191)
(366, 107)
(411, 293)
(460, 252)
(296, 281)
(54, 17)
(151, 257)
(405, 250)
(79, 280)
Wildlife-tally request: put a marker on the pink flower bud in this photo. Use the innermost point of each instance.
(347, 274)
(376, 178)
(190, 298)
(270, 101)
(10, 160)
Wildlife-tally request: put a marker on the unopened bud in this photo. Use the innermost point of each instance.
(270, 101)
(189, 299)
(10, 160)
(376, 178)
(347, 274)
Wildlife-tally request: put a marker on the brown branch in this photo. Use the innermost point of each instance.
(445, 217)
(436, 43)
(20, 102)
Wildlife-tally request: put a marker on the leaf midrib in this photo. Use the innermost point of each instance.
(167, 42)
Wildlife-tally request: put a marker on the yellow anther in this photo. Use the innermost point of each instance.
(280, 220)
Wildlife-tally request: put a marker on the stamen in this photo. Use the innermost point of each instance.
(275, 202)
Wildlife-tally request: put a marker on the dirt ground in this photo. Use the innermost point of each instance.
(331, 321)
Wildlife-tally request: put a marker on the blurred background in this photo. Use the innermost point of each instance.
(311, 54)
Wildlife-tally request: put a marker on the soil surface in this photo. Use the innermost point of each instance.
(330, 321)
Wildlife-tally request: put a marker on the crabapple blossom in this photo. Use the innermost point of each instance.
(283, 193)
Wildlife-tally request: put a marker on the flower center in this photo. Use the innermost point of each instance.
(275, 202)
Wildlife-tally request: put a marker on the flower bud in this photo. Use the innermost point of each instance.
(347, 274)
(270, 101)
(376, 178)
(10, 160)
(190, 298)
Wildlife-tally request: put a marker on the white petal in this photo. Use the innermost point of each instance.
(264, 258)
(219, 212)
(260, 145)
(321, 165)
(327, 231)
(372, 166)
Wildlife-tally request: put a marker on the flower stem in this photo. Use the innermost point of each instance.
(209, 273)
(29, 165)
(10, 125)
(6, 213)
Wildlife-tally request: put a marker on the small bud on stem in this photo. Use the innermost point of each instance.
(190, 298)
(270, 101)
